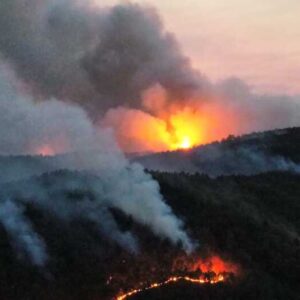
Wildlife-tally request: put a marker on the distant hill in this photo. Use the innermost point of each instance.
(277, 150)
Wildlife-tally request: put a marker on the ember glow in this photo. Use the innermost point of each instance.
(177, 128)
(52, 147)
(164, 126)
(215, 264)
(209, 271)
(45, 150)
(201, 280)
(186, 129)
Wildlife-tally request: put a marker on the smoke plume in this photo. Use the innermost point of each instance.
(69, 69)
(22, 233)
(26, 126)
(106, 59)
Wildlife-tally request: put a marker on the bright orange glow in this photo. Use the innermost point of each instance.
(164, 126)
(45, 150)
(51, 147)
(211, 271)
(215, 264)
(183, 128)
(186, 129)
(186, 143)
(200, 280)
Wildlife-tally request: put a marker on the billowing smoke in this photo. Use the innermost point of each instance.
(106, 59)
(258, 112)
(44, 41)
(134, 54)
(25, 126)
(21, 232)
(121, 186)
(101, 58)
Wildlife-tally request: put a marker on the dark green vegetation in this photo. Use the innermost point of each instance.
(253, 221)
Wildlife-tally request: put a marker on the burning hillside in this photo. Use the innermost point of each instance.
(81, 85)
(64, 231)
(210, 271)
(205, 279)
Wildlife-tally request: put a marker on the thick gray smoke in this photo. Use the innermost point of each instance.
(258, 112)
(46, 53)
(21, 232)
(101, 58)
(134, 53)
(107, 57)
(26, 125)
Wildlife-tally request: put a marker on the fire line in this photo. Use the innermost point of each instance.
(217, 279)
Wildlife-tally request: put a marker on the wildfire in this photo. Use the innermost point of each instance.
(45, 150)
(217, 279)
(162, 126)
(137, 131)
(209, 271)
(215, 264)
(50, 147)
(186, 129)
(186, 143)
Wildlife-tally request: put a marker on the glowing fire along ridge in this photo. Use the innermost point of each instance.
(215, 280)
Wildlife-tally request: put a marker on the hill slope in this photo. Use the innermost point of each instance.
(248, 154)
(251, 220)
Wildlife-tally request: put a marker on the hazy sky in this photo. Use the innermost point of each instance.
(256, 40)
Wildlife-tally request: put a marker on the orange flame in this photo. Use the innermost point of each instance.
(202, 280)
(57, 144)
(186, 129)
(45, 150)
(164, 126)
(211, 271)
(215, 264)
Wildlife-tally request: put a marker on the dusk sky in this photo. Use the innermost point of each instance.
(256, 40)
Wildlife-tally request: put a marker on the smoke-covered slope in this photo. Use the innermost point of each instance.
(277, 150)
(253, 221)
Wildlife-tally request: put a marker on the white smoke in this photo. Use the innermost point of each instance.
(22, 233)
(24, 123)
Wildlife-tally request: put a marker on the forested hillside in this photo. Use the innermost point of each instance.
(277, 150)
(252, 221)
